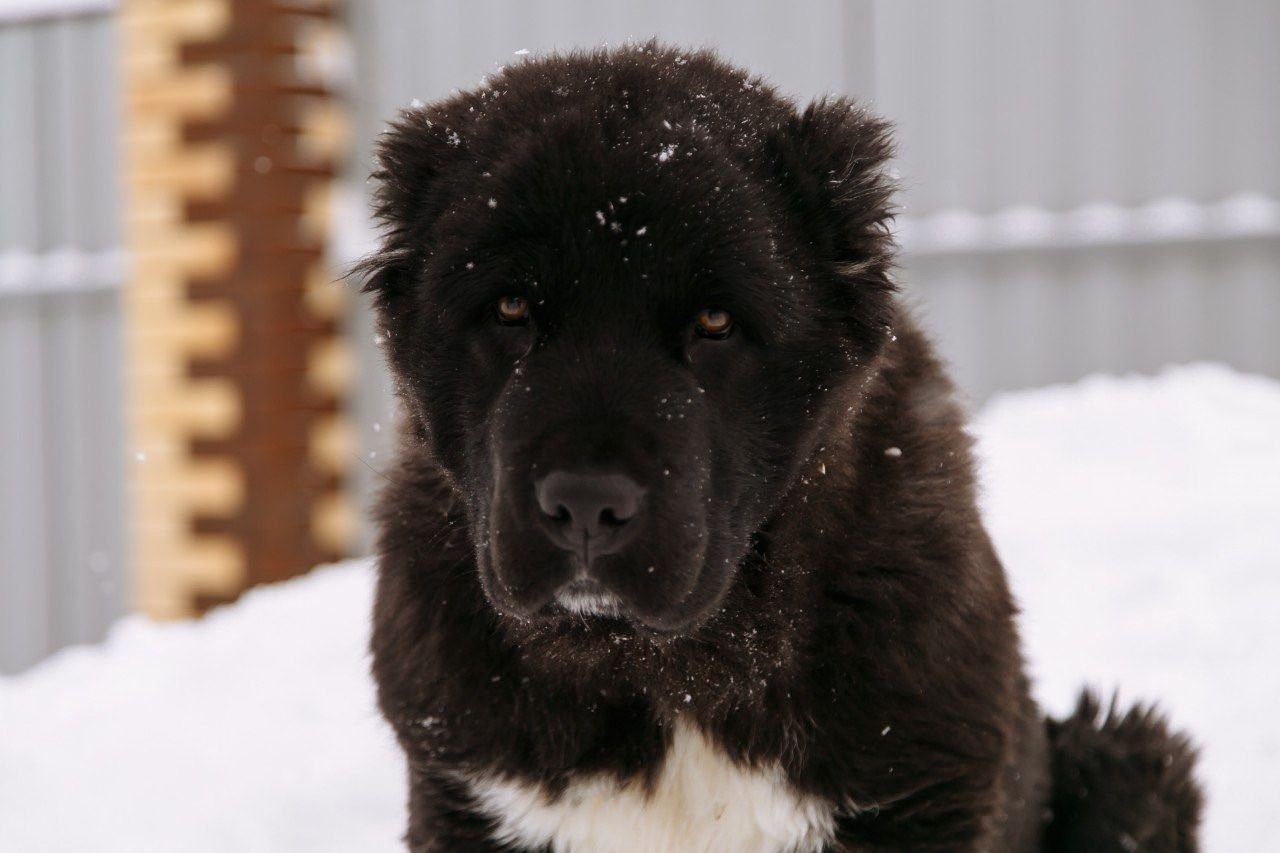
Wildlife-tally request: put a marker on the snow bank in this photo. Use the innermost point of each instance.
(254, 730)
(1138, 519)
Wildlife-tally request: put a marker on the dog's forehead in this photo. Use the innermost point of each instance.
(624, 218)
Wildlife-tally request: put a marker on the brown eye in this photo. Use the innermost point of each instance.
(512, 310)
(714, 323)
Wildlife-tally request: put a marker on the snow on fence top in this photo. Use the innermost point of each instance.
(1166, 220)
(27, 10)
(60, 270)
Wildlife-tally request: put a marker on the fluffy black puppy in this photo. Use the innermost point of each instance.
(682, 550)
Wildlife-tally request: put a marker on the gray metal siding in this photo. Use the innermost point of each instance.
(1008, 320)
(59, 153)
(1163, 109)
(61, 496)
(62, 447)
(1004, 102)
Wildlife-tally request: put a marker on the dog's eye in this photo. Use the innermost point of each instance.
(512, 310)
(715, 323)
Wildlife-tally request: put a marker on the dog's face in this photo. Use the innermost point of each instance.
(619, 320)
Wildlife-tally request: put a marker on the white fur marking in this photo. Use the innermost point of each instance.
(702, 802)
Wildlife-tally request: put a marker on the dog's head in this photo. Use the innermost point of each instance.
(620, 293)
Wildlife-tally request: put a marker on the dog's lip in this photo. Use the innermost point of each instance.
(584, 586)
(588, 597)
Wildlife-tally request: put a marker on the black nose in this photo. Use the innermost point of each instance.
(589, 513)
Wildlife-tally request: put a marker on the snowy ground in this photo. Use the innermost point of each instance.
(1139, 519)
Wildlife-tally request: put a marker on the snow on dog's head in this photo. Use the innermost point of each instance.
(623, 292)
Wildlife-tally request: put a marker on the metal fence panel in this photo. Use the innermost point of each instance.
(1003, 103)
(1088, 186)
(62, 447)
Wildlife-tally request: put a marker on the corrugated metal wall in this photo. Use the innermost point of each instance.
(62, 452)
(1090, 185)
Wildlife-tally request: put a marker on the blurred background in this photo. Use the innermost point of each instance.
(191, 403)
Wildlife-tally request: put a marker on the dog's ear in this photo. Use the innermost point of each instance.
(413, 157)
(833, 158)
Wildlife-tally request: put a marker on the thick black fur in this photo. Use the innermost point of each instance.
(812, 585)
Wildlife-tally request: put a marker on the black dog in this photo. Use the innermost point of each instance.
(682, 551)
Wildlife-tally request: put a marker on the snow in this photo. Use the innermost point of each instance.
(1137, 517)
(1140, 522)
(60, 270)
(23, 10)
(949, 231)
(254, 730)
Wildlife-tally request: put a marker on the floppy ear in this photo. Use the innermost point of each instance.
(411, 156)
(833, 160)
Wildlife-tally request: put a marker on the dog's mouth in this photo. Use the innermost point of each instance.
(586, 597)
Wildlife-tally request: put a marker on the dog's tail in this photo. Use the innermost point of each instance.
(1124, 783)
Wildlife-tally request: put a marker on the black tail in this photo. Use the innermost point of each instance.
(1124, 783)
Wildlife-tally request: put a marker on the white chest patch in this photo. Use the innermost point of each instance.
(702, 802)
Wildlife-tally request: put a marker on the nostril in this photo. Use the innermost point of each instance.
(609, 517)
